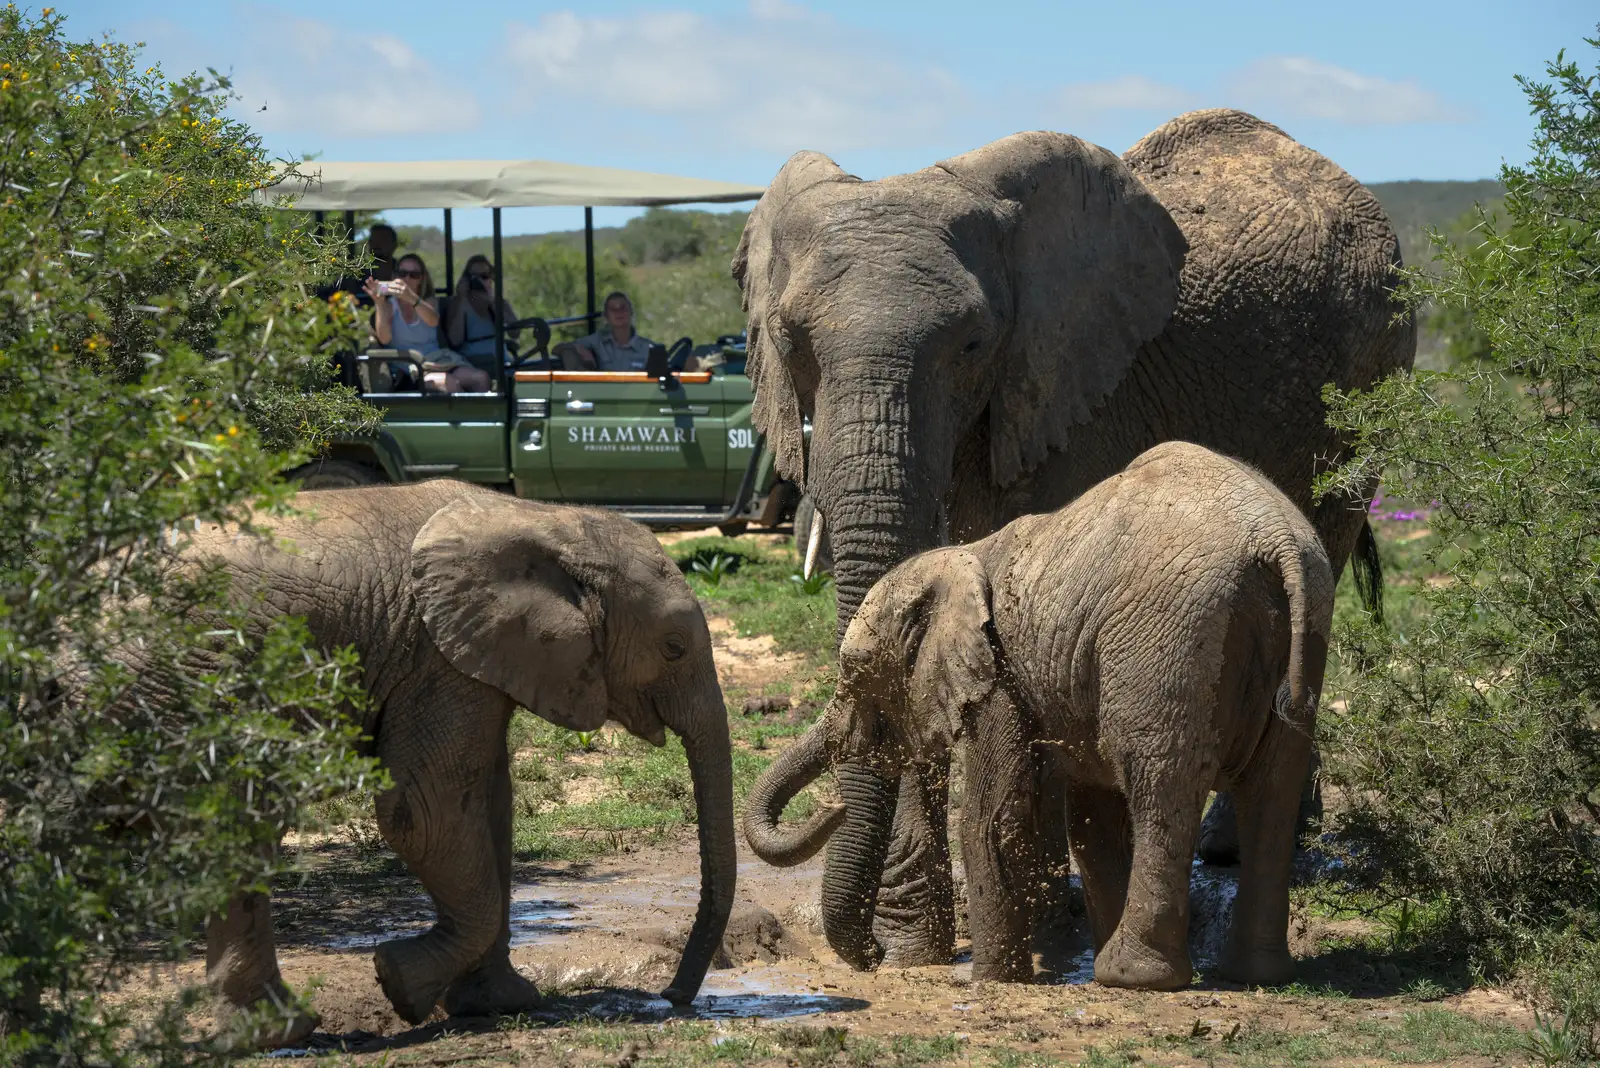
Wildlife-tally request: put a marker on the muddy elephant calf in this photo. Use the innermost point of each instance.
(1167, 631)
(465, 603)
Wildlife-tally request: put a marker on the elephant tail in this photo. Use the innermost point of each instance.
(792, 772)
(1302, 563)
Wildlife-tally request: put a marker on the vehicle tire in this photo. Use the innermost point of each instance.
(733, 529)
(334, 474)
(804, 513)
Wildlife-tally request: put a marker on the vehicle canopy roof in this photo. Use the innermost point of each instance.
(327, 185)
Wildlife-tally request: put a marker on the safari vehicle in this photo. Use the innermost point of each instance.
(667, 447)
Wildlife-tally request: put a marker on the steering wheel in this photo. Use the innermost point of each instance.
(539, 350)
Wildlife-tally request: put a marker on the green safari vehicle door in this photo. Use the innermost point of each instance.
(459, 435)
(617, 437)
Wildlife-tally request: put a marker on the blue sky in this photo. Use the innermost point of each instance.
(729, 88)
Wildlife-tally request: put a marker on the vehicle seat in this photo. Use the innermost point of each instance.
(389, 371)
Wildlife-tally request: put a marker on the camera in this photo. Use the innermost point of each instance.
(475, 284)
(391, 288)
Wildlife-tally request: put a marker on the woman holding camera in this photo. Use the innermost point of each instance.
(404, 315)
(469, 324)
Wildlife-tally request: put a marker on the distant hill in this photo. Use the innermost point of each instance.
(1415, 207)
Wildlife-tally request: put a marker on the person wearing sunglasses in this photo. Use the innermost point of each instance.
(469, 324)
(404, 315)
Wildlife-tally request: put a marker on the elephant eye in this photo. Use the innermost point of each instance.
(673, 648)
(972, 346)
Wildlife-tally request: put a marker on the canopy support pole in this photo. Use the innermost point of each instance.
(497, 304)
(588, 267)
(449, 255)
(350, 231)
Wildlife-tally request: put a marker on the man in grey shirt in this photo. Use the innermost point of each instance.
(616, 346)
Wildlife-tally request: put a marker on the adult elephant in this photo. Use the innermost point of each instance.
(465, 603)
(991, 336)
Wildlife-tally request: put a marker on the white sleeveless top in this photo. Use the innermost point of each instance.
(418, 335)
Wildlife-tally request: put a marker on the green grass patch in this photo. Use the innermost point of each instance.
(759, 594)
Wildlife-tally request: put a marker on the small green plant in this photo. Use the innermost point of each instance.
(1423, 989)
(715, 568)
(1563, 1043)
(588, 741)
(819, 581)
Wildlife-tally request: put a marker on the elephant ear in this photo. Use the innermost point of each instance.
(1095, 261)
(944, 633)
(508, 600)
(761, 277)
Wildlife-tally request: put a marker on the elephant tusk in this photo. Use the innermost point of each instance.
(813, 545)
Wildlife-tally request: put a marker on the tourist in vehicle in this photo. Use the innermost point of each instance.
(617, 346)
(405, 316)
(469, 322)
(381, 242)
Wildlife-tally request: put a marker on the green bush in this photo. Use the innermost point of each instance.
(1468, 755)
(156, 338)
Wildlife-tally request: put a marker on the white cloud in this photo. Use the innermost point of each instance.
(1131, 92)
(1300, 87)
(776, 77)
(314, 79)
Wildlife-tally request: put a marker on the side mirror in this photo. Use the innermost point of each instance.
(657, 366)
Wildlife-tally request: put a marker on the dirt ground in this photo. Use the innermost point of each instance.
(602, 937)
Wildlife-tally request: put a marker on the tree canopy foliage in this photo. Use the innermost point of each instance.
(157, 336)
(1468, 752)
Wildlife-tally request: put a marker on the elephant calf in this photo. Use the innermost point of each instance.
(465, 603)
(1167, 632)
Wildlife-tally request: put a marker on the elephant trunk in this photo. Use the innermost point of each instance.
(856, 856)
(703, 726)
(881, 488)
(792, 772)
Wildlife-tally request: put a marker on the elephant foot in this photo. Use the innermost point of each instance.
(405, 974)
(1003, 968)
(496, 989)
(1125, 962)
(1219, 833)
(250, 1029)
(916, 955)
(1259, 968)
(915, 929)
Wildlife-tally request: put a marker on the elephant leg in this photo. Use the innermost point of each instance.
(437, 818)
(1150, 948)
(495, 987)
(915, 921)
(1052, 916)
(1268, 794)
(1219, 833)
(997, 843)
(242, 965)
(1102, 849)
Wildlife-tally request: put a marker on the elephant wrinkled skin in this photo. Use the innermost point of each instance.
(1142, 632)
(989, 337)
(465, 603)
